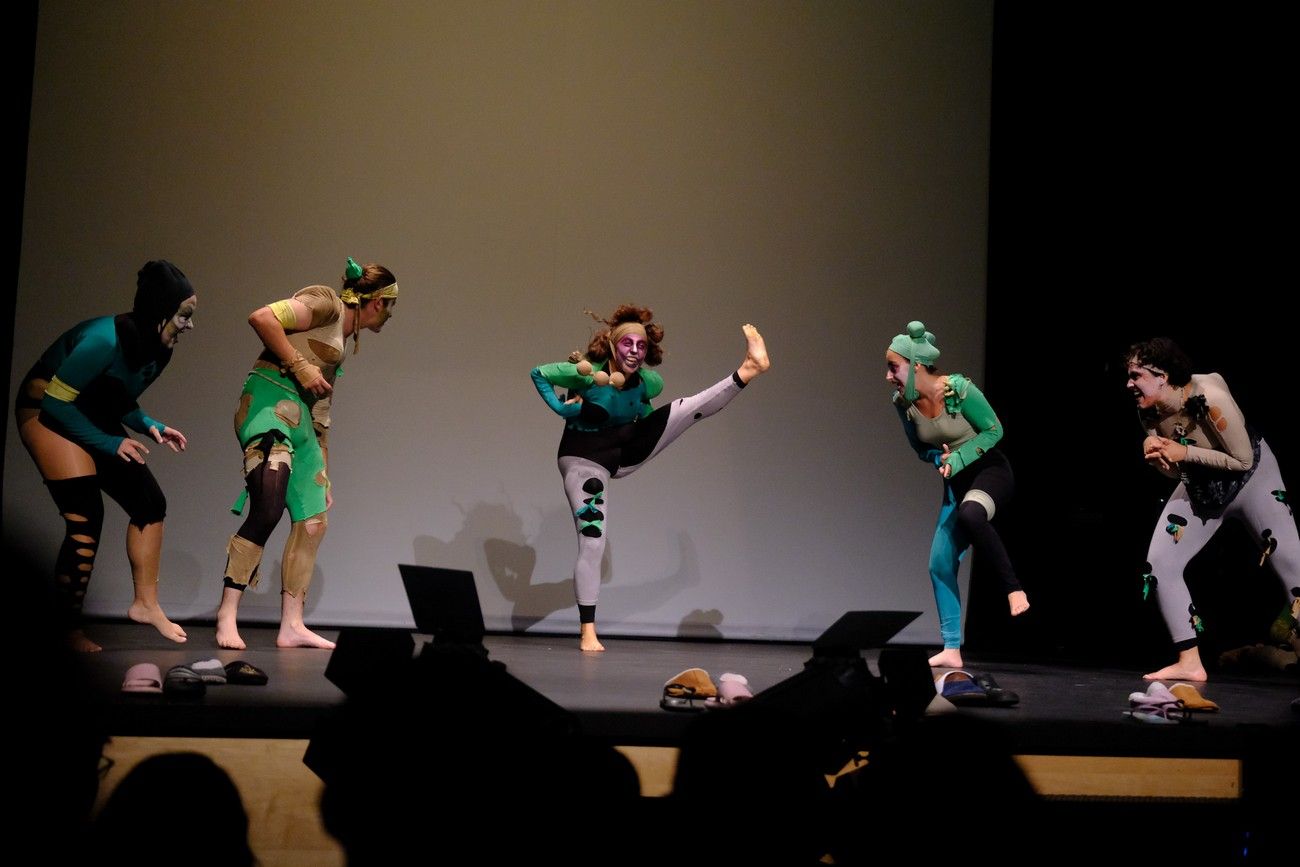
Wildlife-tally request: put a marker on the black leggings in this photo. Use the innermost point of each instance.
(132, 486)
(991, 474)
(267, 488)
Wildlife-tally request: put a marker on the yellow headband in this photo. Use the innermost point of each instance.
(351, 296)
(627, 328)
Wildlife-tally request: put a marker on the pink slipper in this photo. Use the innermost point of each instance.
(733, 688)
(142, 677)
(1157, 695)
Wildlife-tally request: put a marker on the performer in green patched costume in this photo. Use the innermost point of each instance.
(283, 424)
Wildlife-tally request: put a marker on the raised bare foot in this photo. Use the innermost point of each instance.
(588, 640)
(1178, 671)
(756, 360)
(949, 657)
(298, 635)
(81, 644)
(142, 612)
(1019, 602)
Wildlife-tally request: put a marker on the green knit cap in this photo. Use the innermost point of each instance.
(916, 345)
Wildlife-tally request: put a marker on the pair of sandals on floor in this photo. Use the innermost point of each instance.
(967, 689)
(693, 690)
(1165, 705)
(190, 680)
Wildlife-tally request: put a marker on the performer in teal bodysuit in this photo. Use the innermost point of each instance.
(951, 425)
(611, 429)
(70, 410)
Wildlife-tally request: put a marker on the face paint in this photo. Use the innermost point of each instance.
(629, 352)
(181, 322)
(896, 370)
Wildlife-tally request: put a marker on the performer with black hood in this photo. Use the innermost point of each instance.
(70, 410)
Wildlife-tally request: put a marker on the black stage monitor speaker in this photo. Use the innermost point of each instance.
(837, 696)
(366, 658)
(445, 604)
(856, 631)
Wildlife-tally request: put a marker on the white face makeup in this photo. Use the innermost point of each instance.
(896, 370)
(183, 321)
(629, 352)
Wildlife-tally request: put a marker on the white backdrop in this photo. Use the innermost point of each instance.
(819, 169)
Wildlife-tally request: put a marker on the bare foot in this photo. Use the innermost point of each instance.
(1019, 602)
(142, 612)
(949, 657)
(81, 644)
(1188, 667)
(228, 633)
(228, 619)
(756, 360)
(298, 635)
(1178, 671)
(588, 640)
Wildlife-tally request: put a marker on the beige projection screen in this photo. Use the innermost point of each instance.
(819, 169)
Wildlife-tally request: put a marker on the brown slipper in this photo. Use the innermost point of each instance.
(691, 683)
(1192, 698)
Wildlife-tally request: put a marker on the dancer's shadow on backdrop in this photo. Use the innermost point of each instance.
(701, 625)
(492, 537)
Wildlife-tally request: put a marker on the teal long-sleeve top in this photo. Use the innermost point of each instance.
(93, 386)
(601, 406)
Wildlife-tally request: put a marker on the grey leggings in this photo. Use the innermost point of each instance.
(586, 482)
(1180, 535)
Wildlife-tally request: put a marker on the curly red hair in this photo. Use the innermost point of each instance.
(598, 349)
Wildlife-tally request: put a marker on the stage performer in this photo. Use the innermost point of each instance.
(951, 426)
(1196, 433)
(282, 423)
(70, 410)
(611, 429)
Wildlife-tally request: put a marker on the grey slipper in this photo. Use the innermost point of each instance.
(209, 670)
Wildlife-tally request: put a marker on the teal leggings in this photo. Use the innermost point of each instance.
(946, 552)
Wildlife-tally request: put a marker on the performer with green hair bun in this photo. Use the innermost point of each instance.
(951, 425)
(283, 423)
